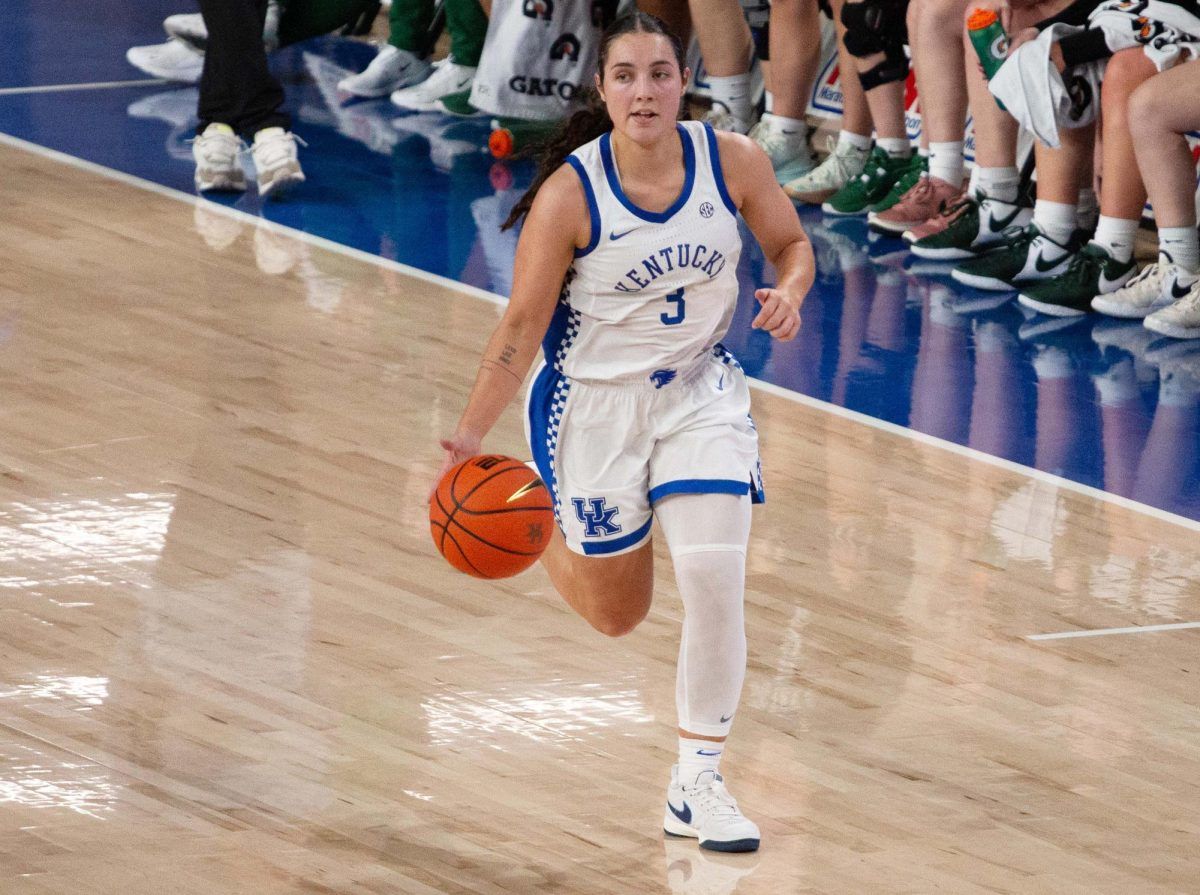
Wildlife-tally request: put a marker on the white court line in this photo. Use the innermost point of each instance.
(1101, 632)
(95, 85)
(484, 295)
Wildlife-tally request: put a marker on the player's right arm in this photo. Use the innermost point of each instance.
(557, 224)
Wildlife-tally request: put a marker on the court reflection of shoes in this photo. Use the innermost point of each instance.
(1178, 370)
(178, 109)
(448, 139)
(361, 122)
(275, 253)
(694, 872)
(216, 227)
(172, 61)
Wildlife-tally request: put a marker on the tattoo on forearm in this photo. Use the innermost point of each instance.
(506, 354)
(488, 362)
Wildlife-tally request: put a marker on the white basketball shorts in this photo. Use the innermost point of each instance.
(609, 451)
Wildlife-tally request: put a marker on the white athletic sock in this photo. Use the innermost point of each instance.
(793, 130)
(858, 141)
(997, 183)
(922, 151)
(1116, 235)
(896, 147)
(707, 535)
(768, 101)
(733, 92)
(698, 756)
(1181, 245)
(946, 162)
(1055, 219)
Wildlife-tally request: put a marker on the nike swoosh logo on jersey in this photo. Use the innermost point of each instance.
(614, 235)
(685, 815)
(998, 224)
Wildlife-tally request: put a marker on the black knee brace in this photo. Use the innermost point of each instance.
(878, 26)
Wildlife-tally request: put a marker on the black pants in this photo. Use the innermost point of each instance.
(236, 87)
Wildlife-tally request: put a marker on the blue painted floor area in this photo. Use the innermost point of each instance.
(1099, 401)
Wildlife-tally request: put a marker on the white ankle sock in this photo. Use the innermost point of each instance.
(946, 162)
(858, 141)
(896, 147)
(1055, 219)
(1116, 236)
(733, 92)
(1181, 245)
(698, 756)
(997, 183)
(768, 100)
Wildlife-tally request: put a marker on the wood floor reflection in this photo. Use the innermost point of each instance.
(230, 661)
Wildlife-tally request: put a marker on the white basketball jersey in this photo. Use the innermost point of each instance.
(651, 292)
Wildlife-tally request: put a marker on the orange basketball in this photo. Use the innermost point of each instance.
(491, 516)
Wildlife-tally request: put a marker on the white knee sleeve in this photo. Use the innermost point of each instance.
(707, 535)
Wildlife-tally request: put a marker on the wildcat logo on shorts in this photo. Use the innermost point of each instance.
(662, 377)
(597, 517)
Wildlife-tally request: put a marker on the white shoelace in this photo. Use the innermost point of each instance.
(713, 798)
(276, 149)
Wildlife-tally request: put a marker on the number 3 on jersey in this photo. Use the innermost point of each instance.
(675, 316)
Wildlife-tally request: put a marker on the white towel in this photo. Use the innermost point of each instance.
(1168, 34)
(1030, 87)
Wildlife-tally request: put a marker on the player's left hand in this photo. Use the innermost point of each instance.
(779, 314)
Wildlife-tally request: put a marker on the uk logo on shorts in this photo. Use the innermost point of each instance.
(598, 518)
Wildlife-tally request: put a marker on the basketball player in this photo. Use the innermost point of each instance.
(625, 273)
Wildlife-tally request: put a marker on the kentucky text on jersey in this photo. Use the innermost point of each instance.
(666, 260)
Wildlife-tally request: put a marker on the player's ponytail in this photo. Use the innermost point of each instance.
(592, 120)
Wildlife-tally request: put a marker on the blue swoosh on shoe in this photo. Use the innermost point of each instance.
(685, 815)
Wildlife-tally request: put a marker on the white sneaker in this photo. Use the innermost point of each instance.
(1180, 320)
(720, 118)
(217, 153)
(275, 160)
(1158, 285)
(786, 148)
(188, 27)
(172, 61)
(448, 77)
(391, 69)
(843, 163)
(706, 811)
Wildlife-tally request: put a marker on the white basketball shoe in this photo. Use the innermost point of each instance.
(275, 160)
(391, 69)
(704, 810)
(217, 153)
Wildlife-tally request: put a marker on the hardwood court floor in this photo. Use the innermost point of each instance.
(230, 661)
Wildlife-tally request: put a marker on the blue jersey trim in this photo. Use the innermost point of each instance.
(593, 208)
(689, 178)
(718, 175)
(616, 544)
(547, 397)
(699, 486)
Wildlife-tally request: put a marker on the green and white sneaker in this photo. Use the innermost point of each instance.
(1023, 255)
(1157, 286)
(967, 229)
(786, 147)
(879, 175)
(843, 164)
(1092, 272)
(917, 165)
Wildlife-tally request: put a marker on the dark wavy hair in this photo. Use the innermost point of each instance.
(592, 120)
